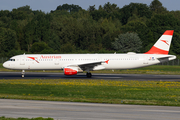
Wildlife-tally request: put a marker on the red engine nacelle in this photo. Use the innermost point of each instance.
(70, 71)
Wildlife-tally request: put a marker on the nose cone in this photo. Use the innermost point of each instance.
(5, 65)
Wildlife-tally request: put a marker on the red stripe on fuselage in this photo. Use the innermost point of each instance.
(155, 50)
(33, 58)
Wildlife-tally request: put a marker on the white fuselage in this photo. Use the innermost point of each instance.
(60, 61)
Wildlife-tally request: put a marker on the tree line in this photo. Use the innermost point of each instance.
(71, 29)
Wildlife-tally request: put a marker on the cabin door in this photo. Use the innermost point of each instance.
(56, 61)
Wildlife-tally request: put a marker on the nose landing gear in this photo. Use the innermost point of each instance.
(23, 73)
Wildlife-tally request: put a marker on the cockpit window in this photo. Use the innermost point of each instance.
(11, 59)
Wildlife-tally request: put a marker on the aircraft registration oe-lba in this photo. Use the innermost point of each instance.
(72, 64)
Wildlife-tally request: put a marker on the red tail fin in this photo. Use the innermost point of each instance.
(162, 46)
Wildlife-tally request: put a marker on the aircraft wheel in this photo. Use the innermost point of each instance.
(23, 72)
(88, 75)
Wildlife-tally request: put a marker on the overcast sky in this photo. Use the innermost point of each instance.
(48, 5)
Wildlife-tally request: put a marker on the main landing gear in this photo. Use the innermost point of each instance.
(23, 73)
(88, 74)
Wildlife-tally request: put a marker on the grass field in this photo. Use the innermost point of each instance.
(39, 118)
(98, 91)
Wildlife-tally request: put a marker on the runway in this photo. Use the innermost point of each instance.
(85, 111)
(45, 75)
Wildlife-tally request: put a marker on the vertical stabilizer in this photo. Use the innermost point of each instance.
(162, 46)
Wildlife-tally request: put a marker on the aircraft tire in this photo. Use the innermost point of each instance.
(88, 75)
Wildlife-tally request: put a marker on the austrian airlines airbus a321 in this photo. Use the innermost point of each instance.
(72, 64)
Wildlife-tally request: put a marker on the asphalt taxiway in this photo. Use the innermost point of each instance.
(46, 75)
(85, 111)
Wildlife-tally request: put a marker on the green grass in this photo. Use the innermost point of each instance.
(94, 91)
(39, 118)
(99, 91)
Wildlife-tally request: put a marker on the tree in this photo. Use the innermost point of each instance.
(69, 8)
(156, 6)
(98, 14)
(91, 8)
(68, 48)
(5, 17)
(7, 39)
(161, 22)
(37, 47)
(54, 42)
(141, 29)
(138, 9)
(109, 8)
(175, 46)
(25, 8)
(127, 42)
(71, 29)
(110, 11)
(37, 30)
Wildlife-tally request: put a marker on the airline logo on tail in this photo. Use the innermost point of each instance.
(161, 48)
(165, 41)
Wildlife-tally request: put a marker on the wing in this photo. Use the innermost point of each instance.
(89, 66)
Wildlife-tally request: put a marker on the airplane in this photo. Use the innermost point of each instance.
(71, 64)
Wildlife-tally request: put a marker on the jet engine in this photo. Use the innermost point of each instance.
(72, 70)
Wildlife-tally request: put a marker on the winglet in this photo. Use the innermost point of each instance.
(163, 44)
